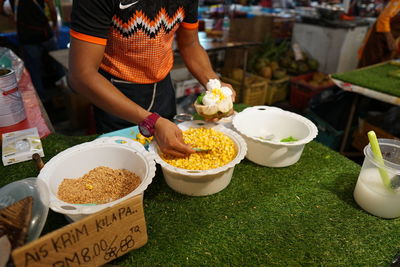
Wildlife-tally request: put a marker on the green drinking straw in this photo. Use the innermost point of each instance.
(376, 150)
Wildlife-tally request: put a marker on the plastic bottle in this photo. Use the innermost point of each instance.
(226, 27)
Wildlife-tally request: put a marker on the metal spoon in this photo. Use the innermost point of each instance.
(201, 149)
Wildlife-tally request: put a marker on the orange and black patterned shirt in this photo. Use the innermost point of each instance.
(138, 34)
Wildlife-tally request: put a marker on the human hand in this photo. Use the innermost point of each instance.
(170, 140)
(216, 119)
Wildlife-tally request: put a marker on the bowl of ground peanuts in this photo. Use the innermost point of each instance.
(89, 177)
(205, 172)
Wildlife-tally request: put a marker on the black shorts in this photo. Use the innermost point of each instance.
(142, 94)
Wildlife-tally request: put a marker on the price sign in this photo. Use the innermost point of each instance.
(92, 241)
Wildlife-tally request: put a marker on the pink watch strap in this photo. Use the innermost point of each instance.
(146, 127)
(152, 118)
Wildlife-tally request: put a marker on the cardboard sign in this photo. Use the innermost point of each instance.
(92, 241)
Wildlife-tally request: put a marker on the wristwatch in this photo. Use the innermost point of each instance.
(146, 127)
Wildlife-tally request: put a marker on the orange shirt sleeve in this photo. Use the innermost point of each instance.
(87, 38)
(383, 22)
(190, 26)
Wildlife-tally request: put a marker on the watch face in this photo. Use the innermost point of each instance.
(144, 130)
(146, 127)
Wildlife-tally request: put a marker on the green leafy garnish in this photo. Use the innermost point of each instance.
(200, 98)
(289, 139)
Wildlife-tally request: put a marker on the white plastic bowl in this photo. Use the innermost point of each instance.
(204, 182)
(113, 152)
(259, 121)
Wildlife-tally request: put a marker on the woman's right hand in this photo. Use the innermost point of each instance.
(170, 140)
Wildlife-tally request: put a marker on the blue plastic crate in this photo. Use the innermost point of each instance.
(327, 135)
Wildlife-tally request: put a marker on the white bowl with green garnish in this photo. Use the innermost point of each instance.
(274, 137)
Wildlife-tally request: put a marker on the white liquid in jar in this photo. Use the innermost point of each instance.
(371, 195)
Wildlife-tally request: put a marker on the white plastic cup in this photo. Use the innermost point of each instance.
(370, 193)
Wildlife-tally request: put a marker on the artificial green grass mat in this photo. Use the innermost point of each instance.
(302, 215)
(373, 77)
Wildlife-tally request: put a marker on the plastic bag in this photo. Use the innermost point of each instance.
(8, 59)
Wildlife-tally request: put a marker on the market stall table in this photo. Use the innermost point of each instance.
(333, 43)
(372, 81)
(299, 215)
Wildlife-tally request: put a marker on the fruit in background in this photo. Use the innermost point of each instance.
(266, 72)
(313, 64)
(237, 74)
(278, 55)
(302, 67)
(318, 77)
(274, 66)
(317, 80)
(313, 83)
(259, 65)
(285, 62)
(293, 67)
(279, 74)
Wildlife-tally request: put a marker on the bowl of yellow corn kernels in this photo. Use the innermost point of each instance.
(207, 172)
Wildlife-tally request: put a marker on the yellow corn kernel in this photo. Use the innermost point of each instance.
(222, 150)
(89, 186)
(142, 139)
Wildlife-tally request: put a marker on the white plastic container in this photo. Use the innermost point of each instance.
(29, 187)
(204, 182)
(12, 108)
(113, 152)
(370, 193)
(262, 127)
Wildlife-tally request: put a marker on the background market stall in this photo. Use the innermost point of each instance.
(374, 82)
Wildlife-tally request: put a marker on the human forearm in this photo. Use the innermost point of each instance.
(195, 58)
(199, 65)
